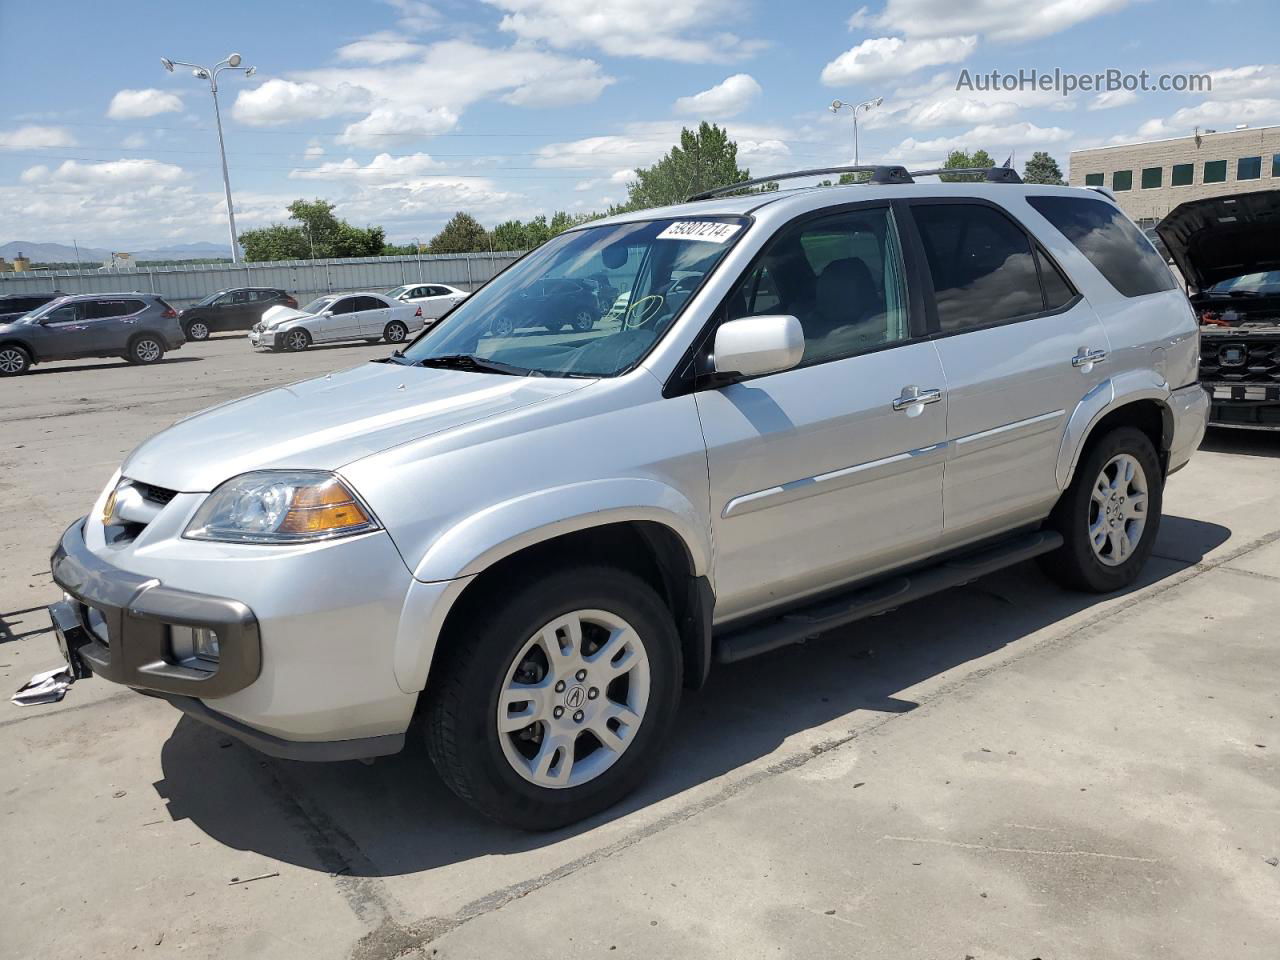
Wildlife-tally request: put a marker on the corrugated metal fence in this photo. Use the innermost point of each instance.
(184, 284)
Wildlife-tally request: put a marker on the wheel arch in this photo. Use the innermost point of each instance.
(1139, 399)
(25, 345)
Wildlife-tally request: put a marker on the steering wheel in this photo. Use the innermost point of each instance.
(647, 308)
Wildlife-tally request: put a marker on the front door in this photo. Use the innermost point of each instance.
(1014, 338)
(340, 323)
(831, 471)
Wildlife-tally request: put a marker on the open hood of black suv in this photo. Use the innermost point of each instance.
(1223, 237)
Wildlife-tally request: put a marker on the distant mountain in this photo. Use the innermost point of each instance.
(65, 253)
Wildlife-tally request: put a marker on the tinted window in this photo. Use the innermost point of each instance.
(840, 276)
(1122, 180)
(1093, 179)
(1182, 174)
(1152, 177)
(436, 292)
(369, 303)
(1215, 171)
(345, 305)
(981, 263)
(103, 309)
(1112, 244)
(1057, 291)
(1248, 168)
(67, 313)
(242, 296)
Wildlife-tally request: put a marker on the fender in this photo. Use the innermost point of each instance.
(1109, 395)
(476, 542)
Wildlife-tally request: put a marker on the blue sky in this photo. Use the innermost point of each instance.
(404, 112)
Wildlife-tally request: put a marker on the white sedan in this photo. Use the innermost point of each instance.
(436, 299)
(337, 317)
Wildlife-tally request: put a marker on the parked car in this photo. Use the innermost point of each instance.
(1226, 248)
(436, 299)
(140, 327)
(15, 305)
(236, 309)
(552, 303)
(522, 547)
(337, 317)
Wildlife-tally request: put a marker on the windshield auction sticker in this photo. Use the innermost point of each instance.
(700, 230)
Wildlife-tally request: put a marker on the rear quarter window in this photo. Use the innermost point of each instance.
(1109, 241)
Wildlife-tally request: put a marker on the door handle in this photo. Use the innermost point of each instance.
(1086, 358)
(129, 321)
(913, 399)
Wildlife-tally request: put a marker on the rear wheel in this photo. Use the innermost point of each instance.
(395, 332)
(1110, 515)
(145, 349)
(14, 360)
(553, 705)
(296, 341)
(197, 330)
(583, 321)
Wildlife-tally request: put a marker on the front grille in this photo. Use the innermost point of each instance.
(1240, 360)
(157, 495)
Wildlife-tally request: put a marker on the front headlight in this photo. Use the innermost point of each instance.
(280, 506)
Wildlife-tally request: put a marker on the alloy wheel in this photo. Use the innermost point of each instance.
(583, 321)
(296, 340)
(502, 327)
(1118, 509)
(396, 332)
(12, 361)
(147, 350)
(573, 699)
(198, 331)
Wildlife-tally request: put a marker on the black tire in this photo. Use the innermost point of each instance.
(460, 719)
(1075, 564)
(583, 321)
(14, 360)
(145, 349)
(197, 330)
(372, 339)
(395, 332)
(295, 341)
(553, 327)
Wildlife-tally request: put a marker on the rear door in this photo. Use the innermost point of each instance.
(1020, 349)
(112, 322)
(438, 302)
(831, 471)
(373, 315)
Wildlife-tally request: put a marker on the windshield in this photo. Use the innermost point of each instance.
(42, 310)
(588, 303)
(318, 304)
(209, 299)
(1259, 284)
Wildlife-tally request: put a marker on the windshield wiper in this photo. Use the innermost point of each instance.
(467, 361)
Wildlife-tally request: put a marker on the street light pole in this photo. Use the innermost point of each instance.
(211, 74)
(417, 249)
(838, 105)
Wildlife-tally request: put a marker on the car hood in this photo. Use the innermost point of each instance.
(277, 315)
(1223, 237)
(324, 423)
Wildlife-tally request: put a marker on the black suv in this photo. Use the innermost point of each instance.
(139, 327)
(15, 305)
(237, 309)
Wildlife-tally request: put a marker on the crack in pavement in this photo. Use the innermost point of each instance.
(1042, 853)
(392, 940)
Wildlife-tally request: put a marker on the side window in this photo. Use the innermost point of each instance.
(241, 297)
(67, 313)
(345, 305)
(1110, 242)
(369, 303)
(981, 263)
(840, 276)
(1057, 291)
(104, 309)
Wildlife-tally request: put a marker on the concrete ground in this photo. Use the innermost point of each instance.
(1004, 771)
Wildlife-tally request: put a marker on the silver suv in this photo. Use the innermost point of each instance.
(816, 405)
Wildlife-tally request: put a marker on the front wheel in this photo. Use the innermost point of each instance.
(502, 327)
(1109, 516)
(395, 332)
(295, 341)
(14, 360)
(145, 350)
(554, 704)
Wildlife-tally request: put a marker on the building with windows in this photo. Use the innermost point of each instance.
(1150, 179)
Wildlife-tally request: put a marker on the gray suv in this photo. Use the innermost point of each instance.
(140, 327)
(818, 404)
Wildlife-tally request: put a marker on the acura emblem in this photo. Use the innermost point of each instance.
(575, 697)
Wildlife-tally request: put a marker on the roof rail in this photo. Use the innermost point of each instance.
(993, 174)
(879, 174)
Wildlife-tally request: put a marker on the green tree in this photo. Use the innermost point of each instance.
(462, 234)
(1042, 168)
(509, 235)
(703, 159)
(959, 158)
(314, 231)
(276, 242)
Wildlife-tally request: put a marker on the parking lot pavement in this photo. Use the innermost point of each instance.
(1004, 771)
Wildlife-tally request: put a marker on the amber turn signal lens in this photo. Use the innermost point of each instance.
(327, 508)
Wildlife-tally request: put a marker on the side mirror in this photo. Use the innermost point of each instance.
(757, 345)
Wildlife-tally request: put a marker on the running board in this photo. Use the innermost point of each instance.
(800, 624)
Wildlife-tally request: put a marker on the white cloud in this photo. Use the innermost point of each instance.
(1213, 114)
(284, 101)
(36, 137)
(134, 141)
(999, 20)
(643, 143)
(881, 57)
(107, 173)
(388, 125)
(859, 19)
(416, 16)
(314, 149)
(379, 48)
(383, 168)
(729, 97)
(133, 104)
(691, 32)
(1110, 99)
(992, 138)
